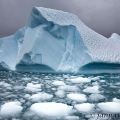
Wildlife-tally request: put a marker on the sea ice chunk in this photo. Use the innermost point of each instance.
(116, 100)
(85, 107)
(80, 80)
(72, 118)
(69, 88)
(77, 97)
(94, 89)
(51, 109)
(58, 83)
(33, 87)
(11, 109)
(41, 97)
(110, 107)
(60, 93)
(96, 97)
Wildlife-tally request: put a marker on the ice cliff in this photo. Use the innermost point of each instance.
(56, 39)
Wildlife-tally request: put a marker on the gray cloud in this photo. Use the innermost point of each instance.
(100, 15)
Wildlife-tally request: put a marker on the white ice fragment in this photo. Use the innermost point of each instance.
(26, 78)
(51, 109)
(95, 83)
(18, 87)
(80, 80)
(41, 97)
(66, 76)
(31, 89)
(26, 96)
(94, 89)
(118, 83)
(11, 109)
(85, 107)
(6, 85)
(72, 118)
(77, 97)
(96, 97)
(2, 83)
(34, 85)
(110, 107)
(58, 83)
(94, 78)
(60, 93)
(116, 100)
(69, 88)
(102, 81)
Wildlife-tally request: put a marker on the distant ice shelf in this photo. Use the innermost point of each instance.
(56, 41)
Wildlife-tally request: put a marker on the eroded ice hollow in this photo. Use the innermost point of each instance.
(56, 41)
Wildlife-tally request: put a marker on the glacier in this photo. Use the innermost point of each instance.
(57, 41)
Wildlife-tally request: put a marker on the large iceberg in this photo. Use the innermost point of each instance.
(57, 41)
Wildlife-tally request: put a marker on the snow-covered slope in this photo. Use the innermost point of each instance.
(59, 40)
(115, 37)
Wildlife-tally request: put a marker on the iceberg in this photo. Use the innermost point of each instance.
(56, 41)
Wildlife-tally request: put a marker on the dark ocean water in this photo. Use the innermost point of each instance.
(13, 87)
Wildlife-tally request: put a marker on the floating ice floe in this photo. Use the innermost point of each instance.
(60, 93)
(96, 97)
(18, 87)
(85, 107)
(6, 85)
(94, 89)
(110, 107)
(41, 97)
(2, 83)
(116, 100)
(58, 83)
(77, 97)
(33, 87)
(94, 78)
(72, 118)
(102, 81)
(95, 84)
(11, 109)
(26, 96)
(26, 78)
(69, 88)
(80, 80)
(51, 109)
(118, 83)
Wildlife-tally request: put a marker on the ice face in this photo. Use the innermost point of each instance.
(59, 53)
(9, 48)
(57, 40)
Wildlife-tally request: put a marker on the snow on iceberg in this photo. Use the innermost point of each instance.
(58, 41)
(115, 37)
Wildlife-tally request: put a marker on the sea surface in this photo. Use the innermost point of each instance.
(17, 86)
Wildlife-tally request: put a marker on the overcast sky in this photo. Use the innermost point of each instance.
(103, 16)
